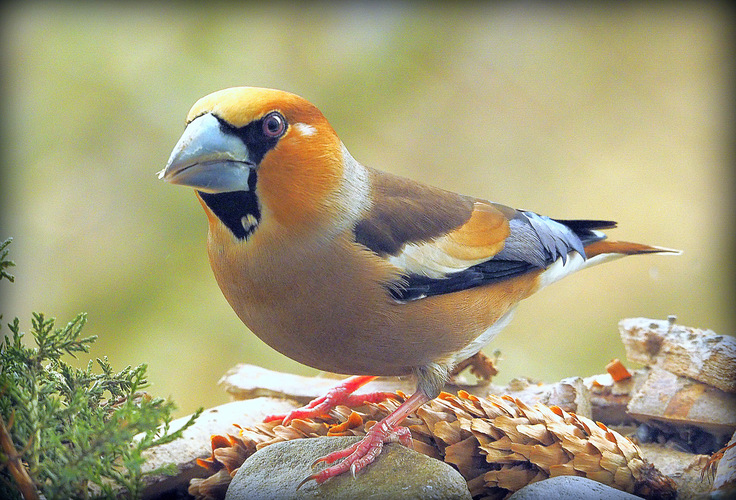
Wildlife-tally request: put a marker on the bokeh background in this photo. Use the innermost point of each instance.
(607, 111)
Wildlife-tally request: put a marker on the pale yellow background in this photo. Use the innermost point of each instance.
(572, 111)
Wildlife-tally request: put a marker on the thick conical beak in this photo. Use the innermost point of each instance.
(209, 159)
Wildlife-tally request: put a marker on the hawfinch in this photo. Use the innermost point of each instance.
(352, 270)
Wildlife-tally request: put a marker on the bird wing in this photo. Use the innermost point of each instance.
(444, 242)
(477, 240)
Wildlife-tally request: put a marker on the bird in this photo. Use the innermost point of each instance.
(353, 270)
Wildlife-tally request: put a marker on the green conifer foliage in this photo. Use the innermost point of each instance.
(68, 432)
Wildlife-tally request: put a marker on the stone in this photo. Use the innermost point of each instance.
(274, 472)
(570, 488)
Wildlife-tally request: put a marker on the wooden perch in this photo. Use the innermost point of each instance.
(725, 477)
(245, 381)
(681, 400)
(571, 394)
(609, 399)
(701, 355)
(248, 381)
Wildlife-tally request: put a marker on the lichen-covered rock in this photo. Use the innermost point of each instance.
(274, 472)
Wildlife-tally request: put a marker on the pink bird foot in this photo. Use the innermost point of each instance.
(339, 395)
(364, 452)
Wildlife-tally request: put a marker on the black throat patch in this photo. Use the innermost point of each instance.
(238, 210)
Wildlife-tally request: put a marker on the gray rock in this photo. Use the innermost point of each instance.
(570, 488)
(398, 473)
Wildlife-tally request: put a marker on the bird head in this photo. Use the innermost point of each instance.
(254, 154)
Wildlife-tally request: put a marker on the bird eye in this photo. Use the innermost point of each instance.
(274, 125)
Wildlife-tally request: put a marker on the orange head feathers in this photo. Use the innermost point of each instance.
(250, 133)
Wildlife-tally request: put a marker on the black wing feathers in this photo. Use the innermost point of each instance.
(585, 229)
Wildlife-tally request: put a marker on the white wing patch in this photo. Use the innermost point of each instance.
(428, 259)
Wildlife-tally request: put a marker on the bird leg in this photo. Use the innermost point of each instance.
(339, 395)
(365, 451)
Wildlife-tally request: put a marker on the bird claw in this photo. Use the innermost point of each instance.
(361, 454)
(305, 481)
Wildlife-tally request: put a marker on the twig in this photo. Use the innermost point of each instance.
(15, 465)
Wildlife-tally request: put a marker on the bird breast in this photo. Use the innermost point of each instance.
(327, 305)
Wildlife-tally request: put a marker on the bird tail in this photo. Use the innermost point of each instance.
(597, 249)
(595, 242)
(621, 248)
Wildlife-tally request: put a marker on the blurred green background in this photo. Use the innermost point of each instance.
(620, 112)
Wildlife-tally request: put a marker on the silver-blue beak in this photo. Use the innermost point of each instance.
(208, 159)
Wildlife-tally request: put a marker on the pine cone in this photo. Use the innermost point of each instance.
(510, 445)
(499, 445)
